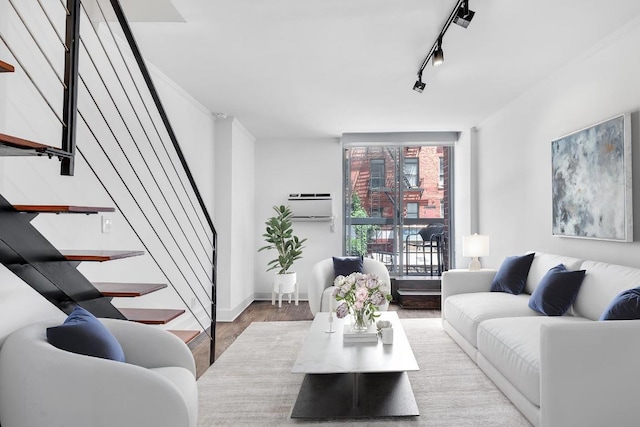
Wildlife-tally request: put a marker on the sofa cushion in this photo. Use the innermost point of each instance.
(602, 283)
(543, 262)
(82, 333)
(464, 312)
(557, 291)
(345, 265)
(512, 346)
(625, 306)
(512, 274)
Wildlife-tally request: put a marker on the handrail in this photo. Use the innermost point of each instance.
(124, 24)
(135, 50)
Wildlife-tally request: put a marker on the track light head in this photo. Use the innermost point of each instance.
(438, 55)
(464, 15)
(419, 85)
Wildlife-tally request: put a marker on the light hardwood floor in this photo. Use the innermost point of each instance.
(263, 311)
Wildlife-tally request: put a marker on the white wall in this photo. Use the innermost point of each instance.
(465, 183)
(515, 151)
(235, 217)
(285, 166)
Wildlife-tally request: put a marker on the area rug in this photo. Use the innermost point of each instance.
(251, 383)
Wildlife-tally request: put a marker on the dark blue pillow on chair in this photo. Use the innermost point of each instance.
(345, 265)
(556, 291)
(512, 274)
(625, 306)
(83, 333)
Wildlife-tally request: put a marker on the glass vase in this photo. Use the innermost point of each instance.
(359, 320)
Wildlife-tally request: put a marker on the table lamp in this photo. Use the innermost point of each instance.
(475, 246)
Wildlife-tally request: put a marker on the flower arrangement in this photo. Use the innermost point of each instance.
(360, 295)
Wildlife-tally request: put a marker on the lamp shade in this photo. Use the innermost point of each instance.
(476, 245)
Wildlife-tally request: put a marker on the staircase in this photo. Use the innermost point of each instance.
(52, 272)
(126, 146)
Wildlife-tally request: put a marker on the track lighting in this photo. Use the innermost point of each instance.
(464, 15)
(419, 85)
(438, 55)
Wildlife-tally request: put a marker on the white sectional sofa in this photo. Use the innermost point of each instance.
(559, 371)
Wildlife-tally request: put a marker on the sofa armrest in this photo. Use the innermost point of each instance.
(149, 347)
(588, 373)
(466, 281)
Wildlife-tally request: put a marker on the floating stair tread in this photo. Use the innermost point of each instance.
(13, 146)
(6, 68)
(98, 255)
(115, 289)
(61, 209)
(185, 336)
(150, 316)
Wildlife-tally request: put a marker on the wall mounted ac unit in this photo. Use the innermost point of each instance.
(311, 206)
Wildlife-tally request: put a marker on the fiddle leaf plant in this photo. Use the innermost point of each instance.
(279, 236)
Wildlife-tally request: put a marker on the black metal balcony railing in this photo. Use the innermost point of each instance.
(401, 247)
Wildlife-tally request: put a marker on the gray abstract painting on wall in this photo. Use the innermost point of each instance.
(591, 184)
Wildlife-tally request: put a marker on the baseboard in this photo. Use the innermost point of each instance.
(230, 315)
(266, 296)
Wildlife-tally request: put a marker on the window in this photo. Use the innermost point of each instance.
(412, 210)
(377, 173)
(410, 172)
(392, 192)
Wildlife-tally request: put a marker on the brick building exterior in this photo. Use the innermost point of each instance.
(373, 171)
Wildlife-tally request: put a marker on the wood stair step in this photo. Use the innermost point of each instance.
(13, 146)
(115, 289)
(6, 68)
(98, 255)
(58, 209)
(185, 336)
(150, 316)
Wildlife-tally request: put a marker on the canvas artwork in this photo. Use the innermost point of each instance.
(591, 182)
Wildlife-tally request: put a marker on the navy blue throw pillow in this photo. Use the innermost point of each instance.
(625, 306)
(82, 333)
(512, 274)
(345, 265)
(556, 291)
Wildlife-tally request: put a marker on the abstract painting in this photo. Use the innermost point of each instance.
(591, 182)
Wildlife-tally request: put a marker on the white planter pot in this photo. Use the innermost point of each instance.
(284, 283)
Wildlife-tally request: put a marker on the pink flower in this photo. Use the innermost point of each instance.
(361, 294)
(342, 310)
(372, 281)
(358, 305)
(377, 299)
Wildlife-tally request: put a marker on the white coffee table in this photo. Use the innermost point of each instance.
(354, 380)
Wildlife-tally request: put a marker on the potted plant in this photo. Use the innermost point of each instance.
(279, 236)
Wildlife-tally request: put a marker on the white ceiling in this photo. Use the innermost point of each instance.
(316, 68)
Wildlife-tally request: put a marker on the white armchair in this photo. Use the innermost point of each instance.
(42, 385)
(321, 284)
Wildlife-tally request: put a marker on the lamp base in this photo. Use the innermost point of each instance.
(475, 264)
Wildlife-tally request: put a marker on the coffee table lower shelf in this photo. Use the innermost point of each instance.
(355, 395)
